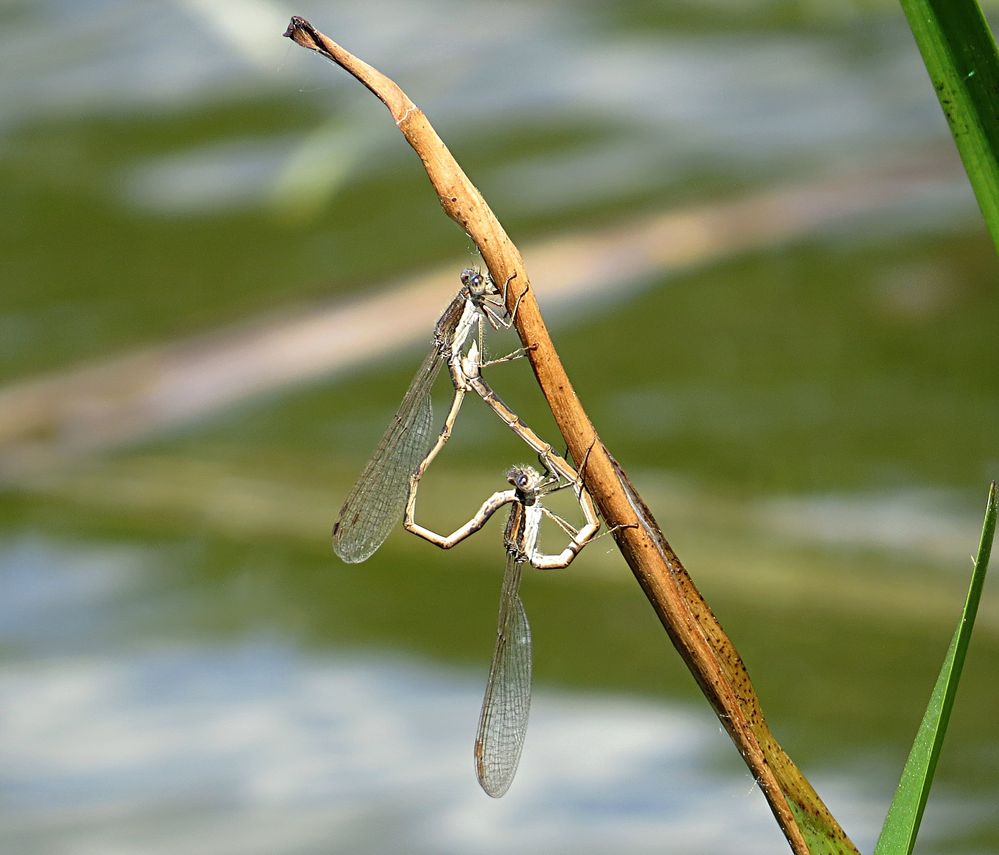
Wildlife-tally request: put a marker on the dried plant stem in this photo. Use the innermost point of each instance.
(693, 629)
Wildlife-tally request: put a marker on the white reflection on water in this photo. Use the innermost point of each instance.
(922, 522)
(258, 748)
(678, 99)
(213, 178)
(116, 746)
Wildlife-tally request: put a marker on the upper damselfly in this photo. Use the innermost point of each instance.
(377, 500)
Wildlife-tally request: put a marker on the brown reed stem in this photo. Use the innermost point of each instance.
(692, 627)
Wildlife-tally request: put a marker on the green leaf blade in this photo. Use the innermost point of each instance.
(898, 836)
(960, 55)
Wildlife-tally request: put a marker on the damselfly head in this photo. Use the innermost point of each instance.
(477, 284)
(524, 479)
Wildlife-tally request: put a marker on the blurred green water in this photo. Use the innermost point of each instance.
(857, 363)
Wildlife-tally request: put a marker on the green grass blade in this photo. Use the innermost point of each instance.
(960, 56)
(902, 823)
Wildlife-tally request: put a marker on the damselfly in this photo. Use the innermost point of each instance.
(507, 701)
(377, 500)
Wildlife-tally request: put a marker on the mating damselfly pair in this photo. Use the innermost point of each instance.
(386, 492)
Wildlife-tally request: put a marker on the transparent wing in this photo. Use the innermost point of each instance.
(507, 702)
(378, 499)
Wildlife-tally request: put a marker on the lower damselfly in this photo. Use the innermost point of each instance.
(502, 726)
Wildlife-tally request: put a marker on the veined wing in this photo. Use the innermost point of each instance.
(507, 702)
(378, 499)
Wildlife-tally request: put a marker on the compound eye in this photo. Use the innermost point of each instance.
(522, 480)
(466, 275)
